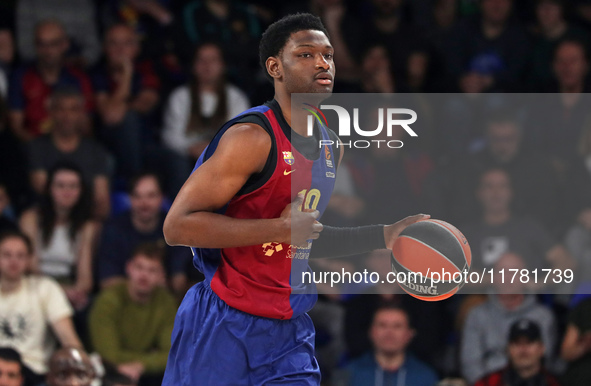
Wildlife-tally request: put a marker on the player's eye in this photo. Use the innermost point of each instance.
(328, 56)
(306, 55)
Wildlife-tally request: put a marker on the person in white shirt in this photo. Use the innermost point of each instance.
(63, 233)
(31, 307)
(197, 110)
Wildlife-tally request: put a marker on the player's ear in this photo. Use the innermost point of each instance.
(274, 67)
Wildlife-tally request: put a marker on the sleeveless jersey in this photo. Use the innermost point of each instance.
(267, 279)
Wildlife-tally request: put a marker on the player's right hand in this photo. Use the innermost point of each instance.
(303, 224)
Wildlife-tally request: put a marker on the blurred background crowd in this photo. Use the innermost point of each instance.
(106, 104)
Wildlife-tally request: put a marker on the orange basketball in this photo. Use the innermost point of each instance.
(432, 255)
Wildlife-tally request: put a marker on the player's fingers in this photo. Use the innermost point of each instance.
(413, 219)
(315, 235)
(317, 227)
(298, 200)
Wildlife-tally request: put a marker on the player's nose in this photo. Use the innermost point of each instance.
(321, 62)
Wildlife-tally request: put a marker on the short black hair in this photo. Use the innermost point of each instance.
(278, 33)
(8, 354)
(17, 234)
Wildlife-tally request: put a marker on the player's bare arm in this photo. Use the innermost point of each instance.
(191, 221)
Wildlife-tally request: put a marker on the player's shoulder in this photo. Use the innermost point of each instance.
(247, 133)
(247, 144)
(251, 126)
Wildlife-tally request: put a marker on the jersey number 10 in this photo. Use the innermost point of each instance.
(311, 198)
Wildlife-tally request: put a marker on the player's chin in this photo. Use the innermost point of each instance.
(322, 90)
(317, 88)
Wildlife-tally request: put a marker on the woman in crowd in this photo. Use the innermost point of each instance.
(63, 233)
(196, 111)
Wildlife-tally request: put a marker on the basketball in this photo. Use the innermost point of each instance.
(433, 256)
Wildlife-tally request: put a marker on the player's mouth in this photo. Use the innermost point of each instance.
(324, 78)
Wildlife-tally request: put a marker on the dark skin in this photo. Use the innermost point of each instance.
(304, 65)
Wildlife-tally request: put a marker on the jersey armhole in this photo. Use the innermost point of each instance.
(257, 180)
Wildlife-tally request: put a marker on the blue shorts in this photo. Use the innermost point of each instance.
(215, 344)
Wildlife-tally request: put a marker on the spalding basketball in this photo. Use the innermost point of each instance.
(432, 256)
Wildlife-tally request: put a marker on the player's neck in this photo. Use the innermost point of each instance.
(296, 120)
(285, 104)
(390, 361)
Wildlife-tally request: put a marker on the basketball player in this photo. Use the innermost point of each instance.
(250, 210)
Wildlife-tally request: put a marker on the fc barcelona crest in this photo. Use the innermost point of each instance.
(288, 157)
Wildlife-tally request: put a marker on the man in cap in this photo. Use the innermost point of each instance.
(525, 351)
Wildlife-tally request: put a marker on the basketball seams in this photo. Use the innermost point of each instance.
(421, 275)
(423, 297)
(454, 234)
(457, 233)
(433, 249)
(410, 270)
(436, 238)
(436, 234)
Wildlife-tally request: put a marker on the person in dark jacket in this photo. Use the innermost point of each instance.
(525, 350)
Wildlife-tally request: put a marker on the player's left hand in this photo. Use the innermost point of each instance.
(392, 231)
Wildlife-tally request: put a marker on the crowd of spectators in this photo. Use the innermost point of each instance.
(106, 105)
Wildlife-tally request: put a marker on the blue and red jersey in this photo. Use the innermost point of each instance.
(29, 93)
(266, 279)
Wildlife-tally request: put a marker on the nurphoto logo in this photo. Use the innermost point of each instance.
(393, 117)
